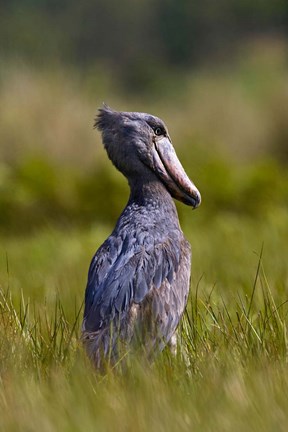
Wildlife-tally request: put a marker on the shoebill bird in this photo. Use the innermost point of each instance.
(138, 280)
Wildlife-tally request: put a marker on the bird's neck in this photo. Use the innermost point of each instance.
(152, 195)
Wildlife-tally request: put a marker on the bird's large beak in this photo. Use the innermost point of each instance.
(172, 174)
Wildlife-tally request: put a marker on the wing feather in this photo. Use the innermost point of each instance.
(124, 271)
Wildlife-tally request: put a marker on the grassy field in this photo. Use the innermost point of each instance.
(230, 373)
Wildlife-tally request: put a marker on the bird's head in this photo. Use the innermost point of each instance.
(138, 144)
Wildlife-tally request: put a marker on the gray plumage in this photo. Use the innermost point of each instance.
(138, 280)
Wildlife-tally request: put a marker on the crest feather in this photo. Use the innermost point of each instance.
(105, 118)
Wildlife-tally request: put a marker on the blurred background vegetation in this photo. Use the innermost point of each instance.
(215, 72)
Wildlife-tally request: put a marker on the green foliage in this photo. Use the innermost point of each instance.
(253, 190)
(134, 35)
(44, 192)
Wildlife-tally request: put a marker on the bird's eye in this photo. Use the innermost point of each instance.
(158, 131)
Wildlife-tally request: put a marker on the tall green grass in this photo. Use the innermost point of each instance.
(230, 370)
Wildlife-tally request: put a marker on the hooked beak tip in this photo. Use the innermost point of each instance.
(197, 199)
(194, 199)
